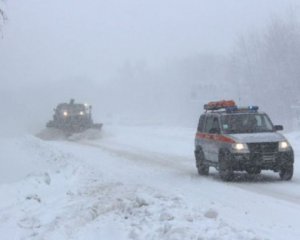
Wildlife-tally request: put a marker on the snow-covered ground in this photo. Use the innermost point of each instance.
(136, 183)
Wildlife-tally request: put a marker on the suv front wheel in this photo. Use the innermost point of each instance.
(286, 172)
(203, 169)
(225, 169)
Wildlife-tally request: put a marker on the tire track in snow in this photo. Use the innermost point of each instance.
(271, 192)
(147, 157)
(176, 163)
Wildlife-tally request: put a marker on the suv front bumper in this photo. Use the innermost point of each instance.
(274, 161)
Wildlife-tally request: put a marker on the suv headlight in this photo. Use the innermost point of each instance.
(284, 146)
(240, 147)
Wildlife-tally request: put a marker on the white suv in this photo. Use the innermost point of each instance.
(231, 139)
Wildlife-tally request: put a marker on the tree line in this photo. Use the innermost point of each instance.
(265, 66)
(262, 69)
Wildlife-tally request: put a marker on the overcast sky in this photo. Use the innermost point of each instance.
(47, 44)
(56, 40)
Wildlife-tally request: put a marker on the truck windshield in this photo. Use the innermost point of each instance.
(72, 109)
(246, 123)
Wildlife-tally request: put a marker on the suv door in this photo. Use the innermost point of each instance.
(201, 139)
(215, 144)
(207, 138)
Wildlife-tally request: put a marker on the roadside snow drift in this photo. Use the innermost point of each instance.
(136, 183)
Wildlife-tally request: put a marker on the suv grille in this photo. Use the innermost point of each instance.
(263, 151)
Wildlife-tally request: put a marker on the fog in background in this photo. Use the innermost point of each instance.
(147, 62)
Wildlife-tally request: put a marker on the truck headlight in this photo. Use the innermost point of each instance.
(81, 113)
(65, 113)
(240, 147)
(284, 146)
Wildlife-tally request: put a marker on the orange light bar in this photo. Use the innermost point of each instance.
(219, 104)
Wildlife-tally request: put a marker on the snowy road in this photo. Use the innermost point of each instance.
(154, 153)
(279, 189)
(137, 183)
(158, 152)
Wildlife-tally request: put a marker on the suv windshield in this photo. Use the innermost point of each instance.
(246, 123)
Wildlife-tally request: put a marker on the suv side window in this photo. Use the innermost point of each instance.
(201, 123)
(208, 124)
(216, 125)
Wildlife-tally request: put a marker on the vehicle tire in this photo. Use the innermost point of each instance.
(50, 124)
(203, 169)
(225, 169)
(286, 172)
(253, 170)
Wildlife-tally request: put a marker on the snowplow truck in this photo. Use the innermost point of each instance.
(73, 118)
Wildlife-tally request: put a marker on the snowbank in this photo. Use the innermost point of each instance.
(135, 183)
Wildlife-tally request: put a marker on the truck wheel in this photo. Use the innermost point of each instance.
(225, 169)
(50, 124)
(286, 172)
(203, 169)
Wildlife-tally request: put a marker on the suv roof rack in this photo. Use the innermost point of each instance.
(219, 105)
(229, 106)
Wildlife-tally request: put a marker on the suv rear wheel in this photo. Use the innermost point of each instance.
(203, 169)
(225, 169)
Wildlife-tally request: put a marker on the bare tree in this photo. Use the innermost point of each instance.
(3, 17)
(267, 65)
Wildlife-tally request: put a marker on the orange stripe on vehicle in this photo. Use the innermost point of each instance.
(222, 138)
(200, 135)
(214, 137)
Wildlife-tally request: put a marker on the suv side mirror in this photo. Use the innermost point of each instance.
(278, 127)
